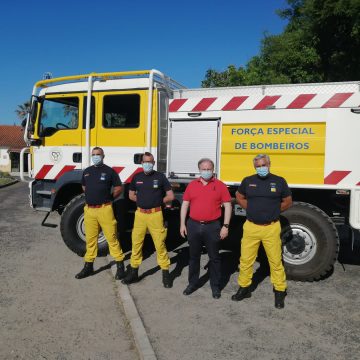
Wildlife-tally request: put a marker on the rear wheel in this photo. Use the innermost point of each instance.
(73, 230)
(310, 242)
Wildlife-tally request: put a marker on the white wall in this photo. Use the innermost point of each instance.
(5, 164)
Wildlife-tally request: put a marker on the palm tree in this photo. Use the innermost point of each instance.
(23, 109)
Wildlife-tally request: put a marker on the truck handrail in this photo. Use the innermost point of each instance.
(22, 177)
(166, 81)
(172, 84)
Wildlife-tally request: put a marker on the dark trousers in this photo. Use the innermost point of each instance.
(208, 235)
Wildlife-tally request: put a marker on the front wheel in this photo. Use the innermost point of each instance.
(310, 242)
(73, 230)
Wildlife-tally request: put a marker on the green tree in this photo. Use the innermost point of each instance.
(321, 42)
(22, 110)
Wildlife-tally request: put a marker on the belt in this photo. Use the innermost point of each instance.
(150, 211)
(264, 224)
(98, 206)
(205, 222)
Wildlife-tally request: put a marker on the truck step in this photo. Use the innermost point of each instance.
(44, 192)
(42, 209)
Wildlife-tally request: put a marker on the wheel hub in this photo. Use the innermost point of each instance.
(80, 229)
(299, 244)
(296, 244)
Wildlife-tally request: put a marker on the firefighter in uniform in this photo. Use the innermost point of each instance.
(264, 196)
(101, 185)
(205, 196)
(150, 190)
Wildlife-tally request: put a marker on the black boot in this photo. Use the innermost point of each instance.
(131, 276)
(279, 299)
(86, 271)
(242, 293)
(189, 290)
(166, 279)
(120, 272)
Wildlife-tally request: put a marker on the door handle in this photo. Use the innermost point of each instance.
(138, 158)
(77, 157)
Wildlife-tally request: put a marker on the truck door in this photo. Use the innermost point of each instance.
(121, 129)
(189, 141)
(60, 132)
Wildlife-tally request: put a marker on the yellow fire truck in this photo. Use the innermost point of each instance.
(309, 131)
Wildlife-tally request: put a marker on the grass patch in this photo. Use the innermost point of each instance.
(4, 181)
(5, 178)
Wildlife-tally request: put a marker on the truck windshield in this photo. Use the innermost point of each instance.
(58, 114)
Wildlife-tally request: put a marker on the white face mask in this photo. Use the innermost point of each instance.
(206, 174)
(97, 159)
(262, 171)
(148, 167)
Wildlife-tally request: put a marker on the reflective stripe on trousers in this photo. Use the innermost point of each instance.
(155, 223)
(270, 237)
(103, 217)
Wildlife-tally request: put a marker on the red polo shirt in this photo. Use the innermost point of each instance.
(205, 200)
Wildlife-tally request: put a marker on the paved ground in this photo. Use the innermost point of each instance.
(44, 312)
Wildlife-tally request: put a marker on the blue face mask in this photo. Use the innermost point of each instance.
(206, 174)
(262, 171)
(148, 167)
(96, 159)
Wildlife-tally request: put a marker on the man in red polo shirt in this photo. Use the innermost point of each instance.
(205, 196)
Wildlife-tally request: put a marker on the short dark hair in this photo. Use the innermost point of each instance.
(98, 148)
(146, 153)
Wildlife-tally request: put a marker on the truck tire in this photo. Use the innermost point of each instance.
(72, 228)
(310, 242)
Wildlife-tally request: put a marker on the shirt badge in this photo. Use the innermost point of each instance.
(103, 176)
(273, 187)
(155, 184)
(252, 185)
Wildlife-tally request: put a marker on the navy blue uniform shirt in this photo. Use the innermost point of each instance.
(98, 182)
(150, 189)
(264, 196)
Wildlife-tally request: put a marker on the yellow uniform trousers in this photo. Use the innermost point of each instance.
(270, 237)
(103, 217)
(154, 222)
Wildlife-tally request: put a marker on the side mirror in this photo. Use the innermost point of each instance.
(33, 112)
(138, 158)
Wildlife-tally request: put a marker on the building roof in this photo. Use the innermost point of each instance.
(12, 137)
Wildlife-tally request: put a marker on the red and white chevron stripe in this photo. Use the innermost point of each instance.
(259, 102)
(333, 178)
(336, 177)
(50, 172)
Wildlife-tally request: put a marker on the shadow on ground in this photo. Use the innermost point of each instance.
(349, 252)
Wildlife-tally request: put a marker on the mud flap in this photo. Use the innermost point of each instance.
(354, 218)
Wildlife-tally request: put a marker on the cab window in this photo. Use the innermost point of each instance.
(58, 114)
(121, 111)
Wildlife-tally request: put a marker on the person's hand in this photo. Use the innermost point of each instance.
(224, 232)
(183, 231)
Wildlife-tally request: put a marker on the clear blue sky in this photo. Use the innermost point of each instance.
(180, 38)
